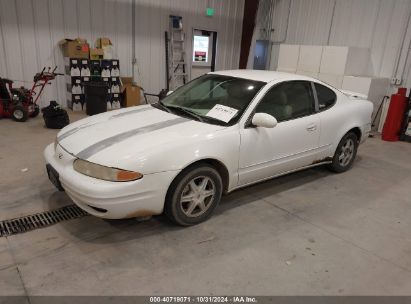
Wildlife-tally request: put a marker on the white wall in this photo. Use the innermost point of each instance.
(31, 29)
(380, 25)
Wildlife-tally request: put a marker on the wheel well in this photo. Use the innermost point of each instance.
(219, 166)
(356, 131)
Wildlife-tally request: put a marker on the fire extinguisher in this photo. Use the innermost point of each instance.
(392, 126)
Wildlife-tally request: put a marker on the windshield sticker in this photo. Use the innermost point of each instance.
(222, 113)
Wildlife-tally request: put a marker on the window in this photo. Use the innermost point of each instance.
(288, 100)
(326, 97)
(201, 95)
(207, 90)
(200, 48)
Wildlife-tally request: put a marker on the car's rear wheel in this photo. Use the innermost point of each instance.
(194, 195)
(345, 153)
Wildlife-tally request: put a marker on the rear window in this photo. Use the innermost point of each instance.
(326, 97)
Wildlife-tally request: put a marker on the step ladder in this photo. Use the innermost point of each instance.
(176, 54)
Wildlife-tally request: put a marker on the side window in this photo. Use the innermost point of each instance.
(326, 97)
(288, 100)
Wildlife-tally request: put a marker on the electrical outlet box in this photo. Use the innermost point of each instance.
(398, 81)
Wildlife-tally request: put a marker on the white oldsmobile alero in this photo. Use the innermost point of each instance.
(220, 132)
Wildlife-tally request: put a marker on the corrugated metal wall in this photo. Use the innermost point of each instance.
(380, 25)
(31, 29)
(152, 21)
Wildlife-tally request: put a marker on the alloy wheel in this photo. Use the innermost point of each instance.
(197, 196)
(347, 152)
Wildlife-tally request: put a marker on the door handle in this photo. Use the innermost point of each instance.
(312, 127)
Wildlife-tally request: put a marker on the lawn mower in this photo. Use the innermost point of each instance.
(21, 103)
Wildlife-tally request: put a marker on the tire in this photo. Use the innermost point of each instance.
(345, 153)
(197, 204)
(19, 113)
(36, 111)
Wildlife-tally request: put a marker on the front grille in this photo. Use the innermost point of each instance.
(40, 220)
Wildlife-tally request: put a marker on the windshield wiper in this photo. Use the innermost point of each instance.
(219, 122)
(163, 106)
(186, 111)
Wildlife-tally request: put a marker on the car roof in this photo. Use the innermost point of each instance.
(263, 75)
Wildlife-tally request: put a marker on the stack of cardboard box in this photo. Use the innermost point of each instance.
(75, 48)
(103, 49)
(83, 64)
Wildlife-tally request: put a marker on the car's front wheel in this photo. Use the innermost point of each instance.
(345, 153)
(194, 195)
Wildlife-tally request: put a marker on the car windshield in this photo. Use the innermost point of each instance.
(213, 98)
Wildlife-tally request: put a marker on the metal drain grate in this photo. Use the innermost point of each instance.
(40, 220)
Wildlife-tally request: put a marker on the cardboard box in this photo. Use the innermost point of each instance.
(108, 52)
(96, 54)
(131, 92)
(77, 48)
(126, 80)
(101, 42)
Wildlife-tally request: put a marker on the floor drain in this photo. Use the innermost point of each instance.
(40, 220)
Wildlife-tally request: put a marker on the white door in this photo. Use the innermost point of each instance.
(202, 60)
(290, 145)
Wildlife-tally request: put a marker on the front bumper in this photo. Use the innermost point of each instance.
(111, 200)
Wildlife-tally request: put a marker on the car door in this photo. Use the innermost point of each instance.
(291, 144)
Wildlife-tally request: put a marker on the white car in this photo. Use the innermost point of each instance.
(218, 133)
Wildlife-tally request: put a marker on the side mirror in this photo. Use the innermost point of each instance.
(264, 120)
(169, 92)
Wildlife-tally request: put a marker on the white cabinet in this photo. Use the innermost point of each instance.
(373, 87)
(288, 58)
(309, 74)
(309, 59)
(331, 79)
(343, 60)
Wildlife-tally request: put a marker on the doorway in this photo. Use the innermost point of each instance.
(204, 51)
(261, 54)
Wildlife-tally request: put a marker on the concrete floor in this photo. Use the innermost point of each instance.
(309, 233)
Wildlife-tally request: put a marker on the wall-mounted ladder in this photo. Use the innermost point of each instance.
(176, 54)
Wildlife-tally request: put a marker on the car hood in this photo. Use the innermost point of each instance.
(117, 137)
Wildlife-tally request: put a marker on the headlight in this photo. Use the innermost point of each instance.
(105, 173)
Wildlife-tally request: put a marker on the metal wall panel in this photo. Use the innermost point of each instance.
(376, 24)
(31, 29)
